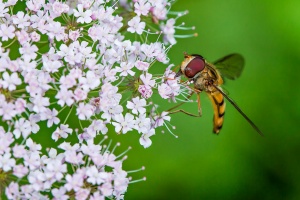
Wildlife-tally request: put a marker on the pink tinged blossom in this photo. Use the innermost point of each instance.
(95, 127)
(67, 146)
(12, 191)
(21, 20)
(91, 81)
(106, 189)
(165, 91)
(7, 110)
(64, 96)
(35, 37)
(73, 57)
(67, 81)
(64, 50)
(74, 35)
(51, 66)
(22, 126)
(94, 175)
(142, 7)
(80, 94)
(86, 50)
(52, 156)
(61, 131)
(159, 120)
(59, 194)
(137, 105)
(27, 191)
(3, 9)
(12, 65)
(76, 73)
(110, 160)
(6, 162)
(55, 170)
(6, 140)
(10, 81)
(169, 30)
(125, 69)
(145, 138)
(28, 51)
(39, 103)
(136, 26)
(120, 182)
(143, 66)
(97, 196)
(90, 148)
(23, 37)
(20, 171)
(145, 91)
(142, 123)
(36, 179)
(74, 158)
(20, 105)
(55, 30)
(34, 5)
(59, 8)
(111, 111)
(83, 16)
(159, 10)
(50, 116)
(19, 151)
(85, 111)
(74, 182)
(7, 32)
(124, 124)
(33, 161)
(33, 119)
(82, 193)
(29, 67)
(33, 88)
(147, 79)
(33, 147)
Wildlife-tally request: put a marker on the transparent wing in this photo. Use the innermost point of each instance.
(239, 110)
(230, 66)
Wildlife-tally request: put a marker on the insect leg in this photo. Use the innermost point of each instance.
(199, 104)
(185, 112)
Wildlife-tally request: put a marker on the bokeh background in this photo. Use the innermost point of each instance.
(237, 164)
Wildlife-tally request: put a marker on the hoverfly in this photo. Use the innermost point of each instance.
(208, 77)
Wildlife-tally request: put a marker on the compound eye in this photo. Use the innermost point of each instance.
(195, 66)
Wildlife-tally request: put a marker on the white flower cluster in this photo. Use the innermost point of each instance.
(75, 59)
(96, 172)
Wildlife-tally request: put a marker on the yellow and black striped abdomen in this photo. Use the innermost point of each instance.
(219, 110)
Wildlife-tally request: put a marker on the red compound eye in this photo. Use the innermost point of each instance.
(196, 65)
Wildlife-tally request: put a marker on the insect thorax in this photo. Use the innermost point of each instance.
(205, 80)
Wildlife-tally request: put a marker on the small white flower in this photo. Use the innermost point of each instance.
(6, 162)
(136, 26)
(7, 32)
(62, 131)
(137, 105)
(83, 16)
(142, 7)
(85, 111)
(125, 124)
(145, 138)
(21, 20)
(10, 81)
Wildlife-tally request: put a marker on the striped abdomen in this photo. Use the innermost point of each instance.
(219, 110)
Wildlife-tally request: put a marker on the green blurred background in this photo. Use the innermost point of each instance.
(237, 164)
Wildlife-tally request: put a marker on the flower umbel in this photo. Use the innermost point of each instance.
(69, 71)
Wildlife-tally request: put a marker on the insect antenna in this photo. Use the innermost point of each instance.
(240, 111)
